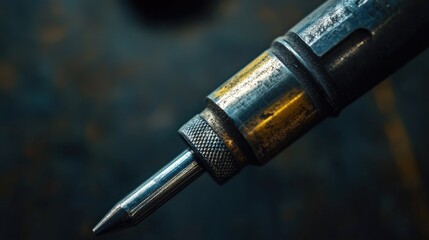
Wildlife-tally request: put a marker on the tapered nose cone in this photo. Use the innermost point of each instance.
(115, 220)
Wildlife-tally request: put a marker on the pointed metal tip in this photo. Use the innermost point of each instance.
(115, 220)
(150, 195)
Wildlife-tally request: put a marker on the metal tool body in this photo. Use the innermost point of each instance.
(320, 66)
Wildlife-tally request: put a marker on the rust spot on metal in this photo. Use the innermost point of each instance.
(265, 115)
(281, 123)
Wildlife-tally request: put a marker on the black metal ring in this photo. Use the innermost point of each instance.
(305, 65)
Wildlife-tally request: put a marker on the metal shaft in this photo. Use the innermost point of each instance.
(153, 193)
(333, 56)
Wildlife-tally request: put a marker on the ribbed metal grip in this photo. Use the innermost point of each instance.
(210, 149)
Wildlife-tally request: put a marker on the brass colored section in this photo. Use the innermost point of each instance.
(246, 80)
(267, 105)
(241, 76)
(281, 123)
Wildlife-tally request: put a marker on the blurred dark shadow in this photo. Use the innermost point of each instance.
(167, 13)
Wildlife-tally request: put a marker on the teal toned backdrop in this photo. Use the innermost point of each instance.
(93, 92)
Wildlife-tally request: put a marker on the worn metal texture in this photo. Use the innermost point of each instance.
(267, 105)
(91, 102)
(343, 19)
(211, 150)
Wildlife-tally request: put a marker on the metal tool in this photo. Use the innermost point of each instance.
(333, 56)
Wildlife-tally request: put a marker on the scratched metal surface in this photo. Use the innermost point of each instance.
(91, 100)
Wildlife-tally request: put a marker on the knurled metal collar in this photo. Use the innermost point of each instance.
(211, 150)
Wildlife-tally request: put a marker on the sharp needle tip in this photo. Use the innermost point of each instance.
(113, 221)
(151, 194)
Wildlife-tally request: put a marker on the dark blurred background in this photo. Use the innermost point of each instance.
(93, 92)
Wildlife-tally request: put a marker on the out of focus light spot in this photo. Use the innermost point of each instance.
(52, 33)
(161, 118)
(403, 155)
(93, 132)
(35, 150)
(7, 76)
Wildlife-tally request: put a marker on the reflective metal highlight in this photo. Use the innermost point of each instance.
(153, 193)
